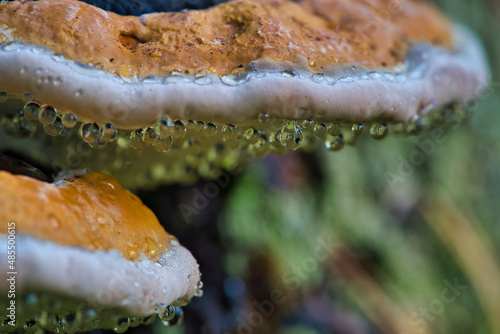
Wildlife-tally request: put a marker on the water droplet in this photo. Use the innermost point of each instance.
(163, 144)
(379, 131)
(27, 97)
(153, 248)
(210, 130)
(69, 324)
(57, 81)
(334, 129)
(133, 253)
(89, 132)
(291, 73)
(334, 143)
(55, 128)
(199, 289)
(290, 136)
(358, 129)
(99, 143)
(149, 135)
(264, 117)
(261, 146)
(136, 140)
(30, 111)
(109, 132)
(307, 124)
(3, 97)
(166, 127)
(320, 129)
(121, 325)
(31, 326)
(203, 80)
(48, 321)
(168, 315)
(69, 120)
(177, 319)
(46, 114)
(230, 132)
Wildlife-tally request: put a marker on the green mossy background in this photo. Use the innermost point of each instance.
(275, 215)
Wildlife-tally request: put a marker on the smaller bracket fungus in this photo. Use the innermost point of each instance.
(84, 253)
(212, 88)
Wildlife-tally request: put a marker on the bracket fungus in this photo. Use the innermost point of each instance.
(213, 88)
(172, 96)
(87, 254)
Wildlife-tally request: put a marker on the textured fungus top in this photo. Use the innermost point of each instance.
(315, 35)
(90, 211)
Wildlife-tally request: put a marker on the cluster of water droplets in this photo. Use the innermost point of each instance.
(39, 313)
(193, 148)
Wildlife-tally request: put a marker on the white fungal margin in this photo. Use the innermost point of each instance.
(103, 279)
(431, 76)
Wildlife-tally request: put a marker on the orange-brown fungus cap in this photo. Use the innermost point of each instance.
(90, 211)
(314, 34)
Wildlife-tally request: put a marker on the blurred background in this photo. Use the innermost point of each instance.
(397, 236)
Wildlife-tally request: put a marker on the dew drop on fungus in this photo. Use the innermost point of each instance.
(199, 289)
(153, 249)
(198, 126)
(27, 97)
(334, 129)
(55, 128)
(121, 326)
(210, 130)
(230, 132)
(3, 97)
(264, 117)
(133, 253)
(251, 135)
(46, 114)
(69, 120)
(109, 132)
(89, 132)
(99, 143)
(358, 129)
(320, 129)
(307, 124)
(179, 129)
(290, 136)
(168, 315)
(149, 135)
(134, 321)
(136, 140)
(163, 144)
(334, 143)
(166, 127)
(177, 319)
(379, 131)
(30, 111)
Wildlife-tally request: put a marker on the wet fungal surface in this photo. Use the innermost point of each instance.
(91, 255)
(173, 97)
(155, 99)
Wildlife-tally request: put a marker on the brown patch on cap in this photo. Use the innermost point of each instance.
(91, 211)
(313, 33)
